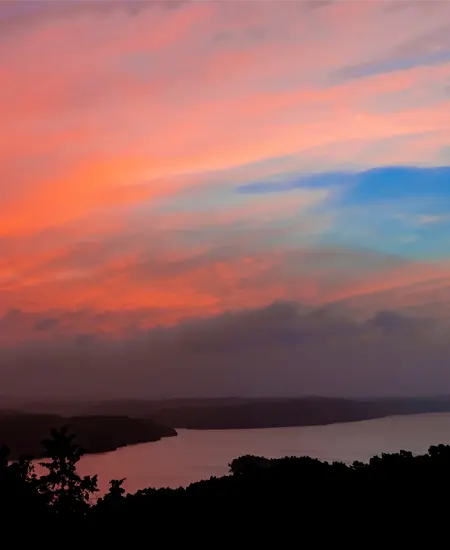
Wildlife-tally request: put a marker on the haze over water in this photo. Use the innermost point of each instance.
(196, 455)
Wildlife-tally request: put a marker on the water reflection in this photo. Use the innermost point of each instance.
(195, 455)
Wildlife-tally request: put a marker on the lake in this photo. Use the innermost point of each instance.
(196, 455)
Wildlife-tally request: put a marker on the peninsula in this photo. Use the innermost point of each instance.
(23, 432)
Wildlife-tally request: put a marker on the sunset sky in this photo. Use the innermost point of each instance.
(191, 186)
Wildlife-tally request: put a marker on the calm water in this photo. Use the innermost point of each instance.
(195, 455)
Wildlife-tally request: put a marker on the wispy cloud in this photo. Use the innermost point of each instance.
(429, 46)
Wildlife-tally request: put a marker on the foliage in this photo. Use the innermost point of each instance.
(18, 486)
(275, 491)
(65, 491)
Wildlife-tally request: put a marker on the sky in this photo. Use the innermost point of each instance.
(224, 197)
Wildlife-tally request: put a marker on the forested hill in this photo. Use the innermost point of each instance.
(268, 413)
(23, 433)
(306, 411)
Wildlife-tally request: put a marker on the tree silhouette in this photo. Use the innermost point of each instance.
(113, 502)
(19, 491)
(248, 464)
(115, 488)
(65, 491)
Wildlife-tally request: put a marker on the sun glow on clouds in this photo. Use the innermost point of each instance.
(129, 129)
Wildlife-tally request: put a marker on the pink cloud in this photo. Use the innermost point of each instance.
(106, 111)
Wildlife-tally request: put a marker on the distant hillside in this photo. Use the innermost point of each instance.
(23, 433)
(142, 407)
(235, 413)
(117, 407)
(269, 414)
(243, 413)
(412, 405)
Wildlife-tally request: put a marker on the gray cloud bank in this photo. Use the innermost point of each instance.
(283, 349)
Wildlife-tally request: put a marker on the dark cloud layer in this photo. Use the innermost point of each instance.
(283, 349)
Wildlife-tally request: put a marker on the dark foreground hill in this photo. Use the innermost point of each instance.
(23, 433)
(312, 501)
